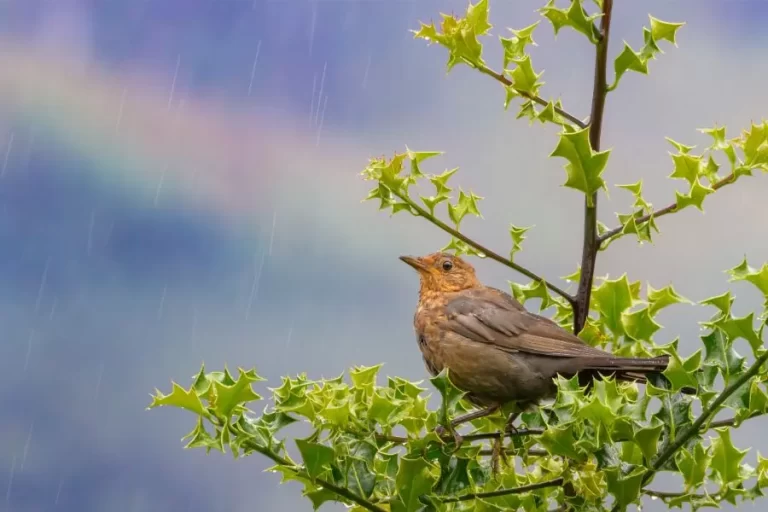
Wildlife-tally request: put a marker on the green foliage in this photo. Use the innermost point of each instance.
(388, 447)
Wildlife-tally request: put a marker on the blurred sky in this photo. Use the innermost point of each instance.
(180, 183)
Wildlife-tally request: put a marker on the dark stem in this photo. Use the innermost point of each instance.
(487, 252)
(671, 208)
(668, 495)
(591, 243)
(536, 99)
(340, 491)
(705, 415)
(470, 437)
(502, 492)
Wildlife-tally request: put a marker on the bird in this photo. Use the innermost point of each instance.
(495, 350)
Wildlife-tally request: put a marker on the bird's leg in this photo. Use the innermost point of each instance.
(480, 413)
(497, 454)
(510, 427)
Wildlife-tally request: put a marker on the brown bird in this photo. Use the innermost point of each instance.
(496, 350)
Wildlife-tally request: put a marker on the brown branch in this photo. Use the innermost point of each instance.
(667, 495)
(670, 208)
(487, 252)
(508, 83)
(502, 492)
(591, 243)
(533, 452)
(340, 491)
(470, 437)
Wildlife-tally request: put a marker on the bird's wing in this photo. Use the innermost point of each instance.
(491, 316)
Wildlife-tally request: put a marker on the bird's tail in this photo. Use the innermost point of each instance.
(633, 369)
(628, 365)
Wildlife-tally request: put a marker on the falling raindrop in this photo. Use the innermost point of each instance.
(367, 68)
(91, 225)
(10, 484)
(320, 93)
(312, 104)
(173, 83)
(58, 491)
(272, 235)
(29, 350)
(255, 286)
(120, 110)
(162, 303)
(322, 118)
(253, 69)
(26, 447)
(43, 280)
(8, 148)
(313, 23)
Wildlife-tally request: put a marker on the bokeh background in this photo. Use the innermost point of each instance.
(180, 184)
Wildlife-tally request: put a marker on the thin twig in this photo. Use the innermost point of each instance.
(507, 82)
(470, 437)
(502, 492)
(591, 243)
(670, 208)
(340, 491)
(711, 409)
(533, 452)
(667, 495)
(487, 252)
(707, 413)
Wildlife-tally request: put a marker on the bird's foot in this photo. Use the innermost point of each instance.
(443, 432)
(510, 428)
(498, 455)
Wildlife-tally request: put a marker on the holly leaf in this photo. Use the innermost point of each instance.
(726, 458)
(179, 397)
(631, 60)
(759, 278)
(719, 354)
(640, 325)
(585, 166)
(514, 47)
(364, 377)
(693, 465)
(560, 440)
(694, 197)
(415, 478)
(467, 204)
(722, 302)
(518, 235)
(450, 396)
(663, 297)
(687, 167)
(523, 77)
(664, 30)
(742, 327)
(317, 457)
(612, 298)
(628, 60)
(682, 373)
(574, 17)
(230, 396)
(460, 35)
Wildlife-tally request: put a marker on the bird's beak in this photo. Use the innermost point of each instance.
(414, 262)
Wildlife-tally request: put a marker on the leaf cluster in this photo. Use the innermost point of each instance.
(376, 446)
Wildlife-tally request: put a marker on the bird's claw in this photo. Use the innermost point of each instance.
(510, 428)
(497, 455)
(442, 432)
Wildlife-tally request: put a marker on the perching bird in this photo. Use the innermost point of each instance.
(496, 350)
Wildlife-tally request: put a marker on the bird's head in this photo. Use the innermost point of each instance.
(442, 272)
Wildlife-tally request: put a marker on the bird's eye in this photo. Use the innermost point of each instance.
(447, 265)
